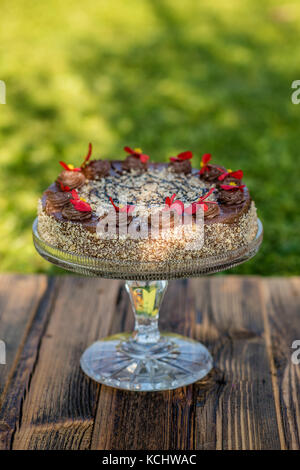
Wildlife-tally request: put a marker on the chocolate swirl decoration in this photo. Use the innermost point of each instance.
(56, 201)
(164, 220)
(69, 212)
(213, 210)
(133, 162)
(183, 166)
(231, 197)
(73, 179)
(212, 173)
(121, 220)
(97, 169)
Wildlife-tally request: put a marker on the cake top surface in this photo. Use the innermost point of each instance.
(147, 190)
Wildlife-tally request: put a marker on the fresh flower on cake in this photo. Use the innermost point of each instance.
(79, 203)
(232, 174)
(204, 163)
(182, 157)
(137, 153)
(128, 209)
(175, 204)
(202, 202)
(232, 187)
(70, 167)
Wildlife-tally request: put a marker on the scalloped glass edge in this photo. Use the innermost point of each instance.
(145, 270)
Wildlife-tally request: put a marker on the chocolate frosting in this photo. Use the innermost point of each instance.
(181, 166)
(121, 219)
(231, 197)
(159, 219)
(73, 179)
(56, 200)
(212, 173)
(69, 212)
(97, 169)
(133, 163)
(212, 211)
(229, 213)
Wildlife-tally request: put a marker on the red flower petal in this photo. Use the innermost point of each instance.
(78, 204)
(169, 200)
(206, 158)
(185, 155)
(144, 158)
(223, 176)
(237, 174)
(64, 165)
(203, 170)
(81, 206)
(129, 150)
(192, 209)
(88, 156)
(229, 187)
(64, 188)
(206, 195)
(116, 207)
(178, 206)
(129, 208)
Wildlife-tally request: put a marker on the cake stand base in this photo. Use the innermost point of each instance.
(146, 360)
(173, 361)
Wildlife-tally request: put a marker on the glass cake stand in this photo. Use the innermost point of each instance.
(146, 360)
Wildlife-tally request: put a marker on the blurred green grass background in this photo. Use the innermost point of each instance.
(164, 75)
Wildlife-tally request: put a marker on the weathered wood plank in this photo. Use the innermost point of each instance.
(249, 401)
(164, 420)
(22, 306)
(58, 410)
(235, 408)
(281, 313)
(19, 297)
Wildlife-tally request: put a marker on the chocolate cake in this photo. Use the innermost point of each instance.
(134, 209)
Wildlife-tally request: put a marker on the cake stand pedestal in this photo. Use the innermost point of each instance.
(146, 360)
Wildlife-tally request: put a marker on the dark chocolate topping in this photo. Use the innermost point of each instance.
(231, 197)
(56, 200)
(211, 173)
(181, 166)
(213, 210)
(97, 169)
(69, 212)
(119, 219)
(133, 162)
(228, 213)
(73, 179)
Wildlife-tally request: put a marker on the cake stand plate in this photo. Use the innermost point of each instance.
(146, 360)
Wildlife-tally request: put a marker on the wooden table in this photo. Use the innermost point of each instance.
(249, 401)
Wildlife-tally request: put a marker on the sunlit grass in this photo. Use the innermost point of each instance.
(162, 75)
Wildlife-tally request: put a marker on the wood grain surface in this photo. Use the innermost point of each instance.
(249, 401)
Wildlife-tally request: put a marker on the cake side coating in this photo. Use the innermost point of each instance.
(68, 219)
(218, 238)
